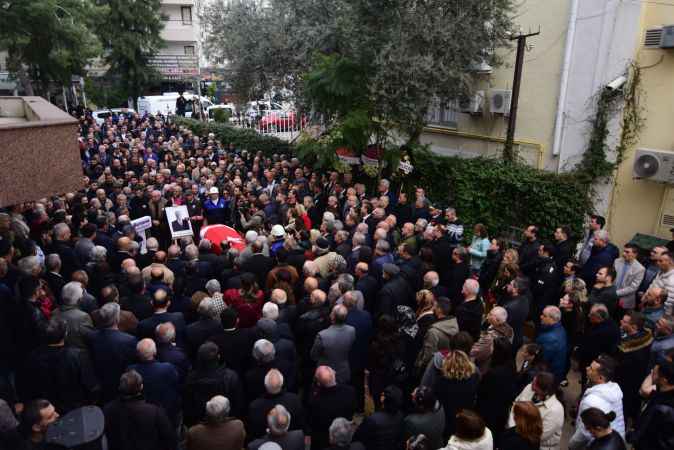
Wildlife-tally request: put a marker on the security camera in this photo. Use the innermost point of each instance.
(617, 83)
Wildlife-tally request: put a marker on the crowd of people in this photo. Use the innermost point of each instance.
(350, 320)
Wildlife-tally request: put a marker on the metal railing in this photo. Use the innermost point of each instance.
(286, 125)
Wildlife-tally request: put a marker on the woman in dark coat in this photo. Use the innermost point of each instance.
(456, 386)
(598, 424)
(496, 391)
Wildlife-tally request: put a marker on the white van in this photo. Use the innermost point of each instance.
(166, 103)
(102, 114)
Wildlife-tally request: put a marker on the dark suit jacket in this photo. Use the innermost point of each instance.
(258, 409)
(235, 347)
(198, 332)
(369, 287)
(259, 265)
(69, 260)
(160, 385)
(176, 356)
(146, 328)
(134, 424)
(111, 352)
(325, 406)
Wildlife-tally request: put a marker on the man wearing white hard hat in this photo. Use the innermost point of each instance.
(216, 207)
(278, 236)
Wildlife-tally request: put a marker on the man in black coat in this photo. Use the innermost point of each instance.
(61, 373)
(111, 350)
(264, 359)
(208, 379)
(366, 284)
(328, 401)
(234, 344)
(517, 306)
(395, 292)
(633, 358)
(131, 423)
(161, 303)
(546, 281)
(61, 246)
(275, 395)
(258, 264)
(457, 273)
(655, 425)
(602, 336)
(208, 325)
(564, 248)
(469, 313)
(169, 352)
(528, 251)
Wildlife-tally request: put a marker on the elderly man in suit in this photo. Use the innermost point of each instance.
(332, 345)
(629, 275)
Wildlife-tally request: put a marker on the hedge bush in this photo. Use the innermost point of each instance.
(242, 138)
(502, 195)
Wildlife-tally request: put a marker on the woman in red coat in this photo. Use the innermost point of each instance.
(247, 301)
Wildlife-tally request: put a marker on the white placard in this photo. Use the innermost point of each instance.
(179, 221)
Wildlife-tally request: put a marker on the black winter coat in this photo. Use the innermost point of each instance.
(381, 431)
(134, 424)
(325, 405)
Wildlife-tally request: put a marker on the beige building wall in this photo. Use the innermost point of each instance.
(639, 205)
(538, 96)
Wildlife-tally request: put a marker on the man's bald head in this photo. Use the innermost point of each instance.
(310, 285)
(157, 273)
(124, 244)
(160, 257)
(146, 349)
(173, 251)
(325, 376)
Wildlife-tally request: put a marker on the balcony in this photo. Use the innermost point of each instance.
(176, 67)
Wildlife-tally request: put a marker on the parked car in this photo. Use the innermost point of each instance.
(229, 108)
(166, 103)
(102, 114)
(281, 121)
(256, 110)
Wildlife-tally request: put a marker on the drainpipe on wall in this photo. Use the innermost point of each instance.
(563, 85)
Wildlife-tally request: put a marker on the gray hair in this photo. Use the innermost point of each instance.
(213, 286)
(53, 261)
(310, 268)
(278, 420)
(30, 265)
(358, 238)
(208, 308)
(109, 315)
(60, 229)
(553, 312)
(341, 432)
(273, 381)
(72, 293)
(472, 286)
(165, 333)
(600, 310)
(383, 246)
(191, 252)
(602, 234)
(264, 351)
(217, 409)
(99, 253)
(152, 243)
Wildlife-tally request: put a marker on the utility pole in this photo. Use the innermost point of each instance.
(508, 153)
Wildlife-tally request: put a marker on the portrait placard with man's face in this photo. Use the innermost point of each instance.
(179, 221)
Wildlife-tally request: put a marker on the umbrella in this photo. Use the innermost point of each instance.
(218, 233)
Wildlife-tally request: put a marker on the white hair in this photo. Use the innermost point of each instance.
(341, 432)
(270, 311)
(263, 351)
(472, 286)
(278, 420)
(602, 235)
(147, 349)
(554, 313)
(30, 265)
(217, 409)
(72, 293)
(99, 253)
(152, 243)
(273, 381)
(500, 314)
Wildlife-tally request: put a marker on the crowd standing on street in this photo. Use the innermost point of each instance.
(349, 318)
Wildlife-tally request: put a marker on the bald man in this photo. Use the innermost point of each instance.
(158, 264)
(469, 313)
(331, 400)
(123, 252)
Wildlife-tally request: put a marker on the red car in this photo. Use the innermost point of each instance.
(281, 121)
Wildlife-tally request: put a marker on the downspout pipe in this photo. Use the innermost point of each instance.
(564, 83)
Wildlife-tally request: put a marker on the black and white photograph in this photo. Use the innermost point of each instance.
(179, 221)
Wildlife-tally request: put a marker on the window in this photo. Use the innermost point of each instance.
(189, 50)
(441, 114)
(186, 13)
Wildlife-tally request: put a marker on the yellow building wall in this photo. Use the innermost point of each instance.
(636, 204)
(539, 89)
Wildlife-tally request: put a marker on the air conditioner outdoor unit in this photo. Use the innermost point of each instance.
(472, 104)
(654, 165)
(499, 101)
(667, 38)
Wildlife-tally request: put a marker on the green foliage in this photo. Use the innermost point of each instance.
(105, 92)
(131, 36)
(49, 41)
(500, 194)
(632, 120)
(220, 115)
(242, 138)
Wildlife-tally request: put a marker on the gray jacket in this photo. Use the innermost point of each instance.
(80, 325)
(332, 347)
(629, 283)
